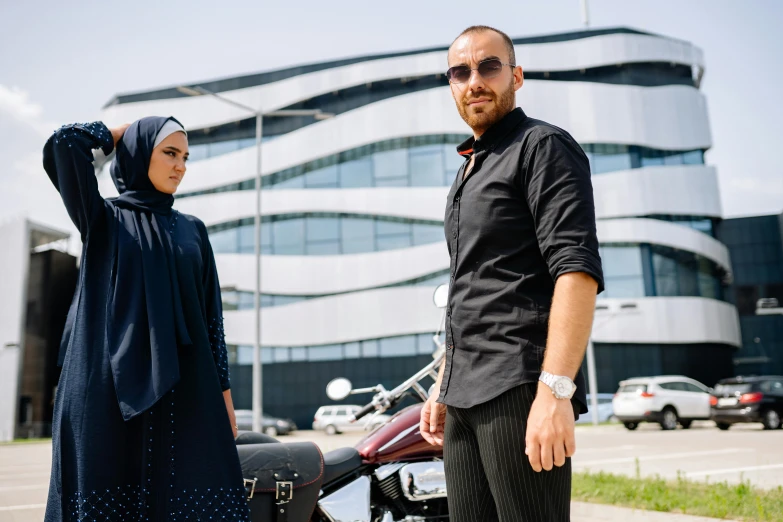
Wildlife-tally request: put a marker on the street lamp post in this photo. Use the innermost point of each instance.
(592, 378)
(585, 14)
(258, 400)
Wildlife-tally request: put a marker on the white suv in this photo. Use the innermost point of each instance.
(666, 399)
(337, 419)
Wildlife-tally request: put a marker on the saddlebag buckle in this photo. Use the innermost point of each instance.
(284, 492)
(252, 484)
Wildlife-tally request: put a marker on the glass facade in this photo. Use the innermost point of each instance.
(243, 300)
(661, 71)
(705, 362)
(756, 247)
(398, 346)
(623, 271)
(323, 234)
(202, 151)
(610, 158)
(653, 270)
(705, 225)
(417, 161)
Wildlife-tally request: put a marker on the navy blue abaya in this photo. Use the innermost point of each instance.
(148, 439)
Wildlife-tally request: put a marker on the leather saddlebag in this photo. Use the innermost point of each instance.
(283, 481)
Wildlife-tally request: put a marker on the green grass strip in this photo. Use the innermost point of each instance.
(717, 499)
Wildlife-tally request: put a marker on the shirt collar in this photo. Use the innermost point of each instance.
(493, 135)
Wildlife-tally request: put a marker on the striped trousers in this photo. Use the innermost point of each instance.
(488, 475)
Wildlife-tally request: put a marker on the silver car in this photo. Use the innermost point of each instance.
(337, 419)
(272, 426)
(605, 409)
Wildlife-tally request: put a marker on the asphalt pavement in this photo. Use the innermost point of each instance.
(700, 453)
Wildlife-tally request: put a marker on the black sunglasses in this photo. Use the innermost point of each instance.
(488, 69)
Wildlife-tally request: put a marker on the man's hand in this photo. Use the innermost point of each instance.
(433, 421)
(550, 430)
(117, 132)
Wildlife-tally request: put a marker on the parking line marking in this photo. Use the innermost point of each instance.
(24, 466)
(668, 456)
(614, 448)
(16, 475)
(732, 470)
(20, 508)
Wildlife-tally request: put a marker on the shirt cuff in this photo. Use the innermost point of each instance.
(577, 259)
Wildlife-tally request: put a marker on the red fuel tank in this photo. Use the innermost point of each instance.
(398, 440)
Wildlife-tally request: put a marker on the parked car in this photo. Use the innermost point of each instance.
(272, 426)
(605, 409)
(337, 419)
(748, 399)
(666, 400)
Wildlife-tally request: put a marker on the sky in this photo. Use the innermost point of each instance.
(60, 62)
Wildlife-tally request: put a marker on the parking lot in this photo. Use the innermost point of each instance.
(700, 453)
(745, 452)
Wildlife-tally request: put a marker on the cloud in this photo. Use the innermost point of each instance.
(16, 103)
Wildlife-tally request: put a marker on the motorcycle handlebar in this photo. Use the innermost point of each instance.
(391, 398)
(364, 411)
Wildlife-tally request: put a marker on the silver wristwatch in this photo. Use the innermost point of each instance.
(562, 387)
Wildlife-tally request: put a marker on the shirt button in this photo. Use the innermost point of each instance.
(455, 234)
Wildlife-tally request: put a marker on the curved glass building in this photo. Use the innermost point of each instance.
(353, 206)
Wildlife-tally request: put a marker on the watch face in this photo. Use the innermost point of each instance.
(562, 387)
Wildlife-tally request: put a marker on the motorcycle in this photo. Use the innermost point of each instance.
(391, 475)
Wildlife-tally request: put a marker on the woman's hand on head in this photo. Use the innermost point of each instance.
(117, 132)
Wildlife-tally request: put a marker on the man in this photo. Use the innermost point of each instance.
(525, 271)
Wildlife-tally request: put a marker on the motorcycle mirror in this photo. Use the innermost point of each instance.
(441, 296)
(339, 388)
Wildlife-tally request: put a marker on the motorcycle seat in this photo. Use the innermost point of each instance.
(340, 462)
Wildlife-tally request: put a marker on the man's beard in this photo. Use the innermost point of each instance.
(481, 121)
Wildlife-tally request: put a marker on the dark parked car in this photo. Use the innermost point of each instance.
(748, 399)
(272, 426)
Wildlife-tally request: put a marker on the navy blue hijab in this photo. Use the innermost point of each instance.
(145, 323)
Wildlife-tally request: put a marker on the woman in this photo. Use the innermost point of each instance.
(141, 431)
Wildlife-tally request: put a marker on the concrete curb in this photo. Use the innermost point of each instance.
(587, 512)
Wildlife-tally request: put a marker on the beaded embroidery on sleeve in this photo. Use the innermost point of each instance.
(100, 137)
(217, 340)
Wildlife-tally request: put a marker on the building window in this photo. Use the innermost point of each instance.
(705, 225)
(608, 158)
(421, 161)
(680, 273)
(611, 158)
(323, 234)
(672, 272)
(397, 346)
(623, 273)
(416, 161)
(746, 297)
(243, 300)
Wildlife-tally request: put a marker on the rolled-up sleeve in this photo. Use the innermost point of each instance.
(559, 194)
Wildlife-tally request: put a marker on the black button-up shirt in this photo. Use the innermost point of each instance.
(522, 217)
